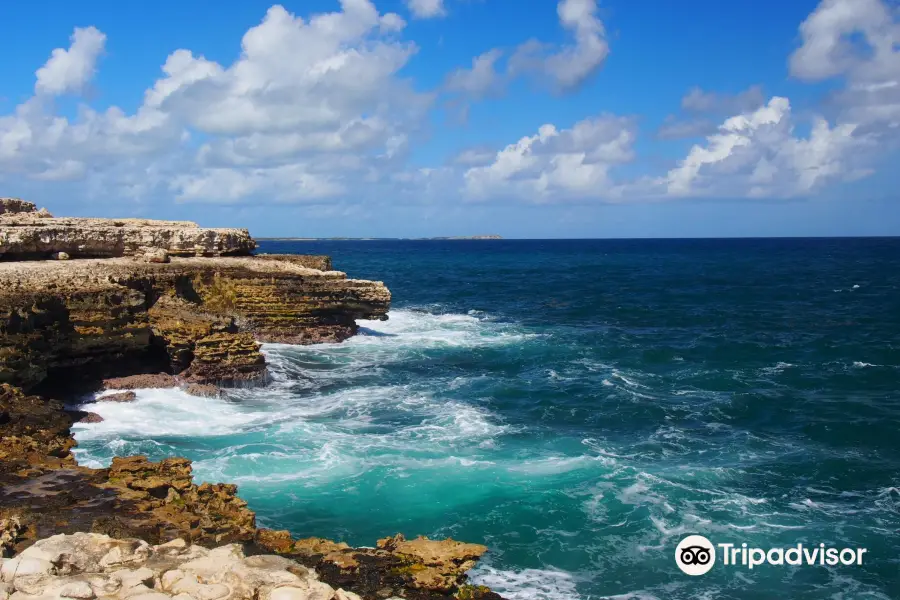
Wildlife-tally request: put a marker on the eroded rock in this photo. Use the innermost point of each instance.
(200, 319)
(89, 417)
(135, 382)
(84, 566)
(154, 255)
(127, 396)
(9, 206)
(26, 233)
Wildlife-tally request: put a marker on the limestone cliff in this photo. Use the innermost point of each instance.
(198, 317)
(26, 233)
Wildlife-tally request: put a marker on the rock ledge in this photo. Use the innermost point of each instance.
(84, 566)
(28, 234)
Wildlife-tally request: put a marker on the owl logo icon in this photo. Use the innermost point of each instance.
(695, 555)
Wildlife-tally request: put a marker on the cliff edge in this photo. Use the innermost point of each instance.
(91, 304)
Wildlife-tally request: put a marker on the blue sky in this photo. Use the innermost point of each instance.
(576, 118)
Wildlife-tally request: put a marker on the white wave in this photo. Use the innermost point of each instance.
(168, 412)
(407, 334)
(862, 365)
(557, 465)
(313, 437)
(529, 584)
(423, 329)
(778, 368)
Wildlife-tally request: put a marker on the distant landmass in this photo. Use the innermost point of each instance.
(492, 236)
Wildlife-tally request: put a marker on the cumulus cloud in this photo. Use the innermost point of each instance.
(562, 68)
(426, 9)
(557, 164)
(476, 156)
(68, 71)
(481, 80)
(569, 66)
(831, 48)
(310, 109)
(757, 154)
(317, 110)
(702, 107)
(859, 42)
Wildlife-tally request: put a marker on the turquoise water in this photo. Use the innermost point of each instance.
(579, 407)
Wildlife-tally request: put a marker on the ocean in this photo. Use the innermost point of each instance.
(579, 406)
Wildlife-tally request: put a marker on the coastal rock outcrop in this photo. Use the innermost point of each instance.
(201, 318)
(85, 566)
(27, 233)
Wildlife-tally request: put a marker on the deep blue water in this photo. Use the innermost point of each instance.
(579, 407)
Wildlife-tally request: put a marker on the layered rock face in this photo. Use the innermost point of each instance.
(26, 233)
(197, 317)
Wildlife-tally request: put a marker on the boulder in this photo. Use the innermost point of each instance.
(154, 255)
(127, 396)
(204, 390)
(90, 417)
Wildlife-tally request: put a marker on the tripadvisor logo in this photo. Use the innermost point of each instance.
(696, 555)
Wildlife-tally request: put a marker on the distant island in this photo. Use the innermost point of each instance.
(492, 236)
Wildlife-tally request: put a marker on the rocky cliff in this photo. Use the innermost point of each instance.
(27, 233)
(87, 304)
(200, 318)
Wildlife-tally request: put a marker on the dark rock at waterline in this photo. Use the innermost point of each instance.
(117, 397)
(204, 390)
(88, 417)
(135, 382)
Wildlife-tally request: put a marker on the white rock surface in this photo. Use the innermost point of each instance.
(89, 566)
(26, 236)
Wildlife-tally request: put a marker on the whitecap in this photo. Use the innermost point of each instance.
(168, 412)
(528, 584)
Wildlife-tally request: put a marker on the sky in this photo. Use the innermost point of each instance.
(412, 118)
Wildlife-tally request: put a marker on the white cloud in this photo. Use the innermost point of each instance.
(563, 68)
(472, 157)
(567, 67)
(699, 101)
(311, 109)
(317, 110)
(426, 9)
(757, 154)
(709, 105)
(557, 165)
(68, 71)
(859, 41)
(479, 81)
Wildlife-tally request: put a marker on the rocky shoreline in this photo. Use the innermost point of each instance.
(119, 304)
